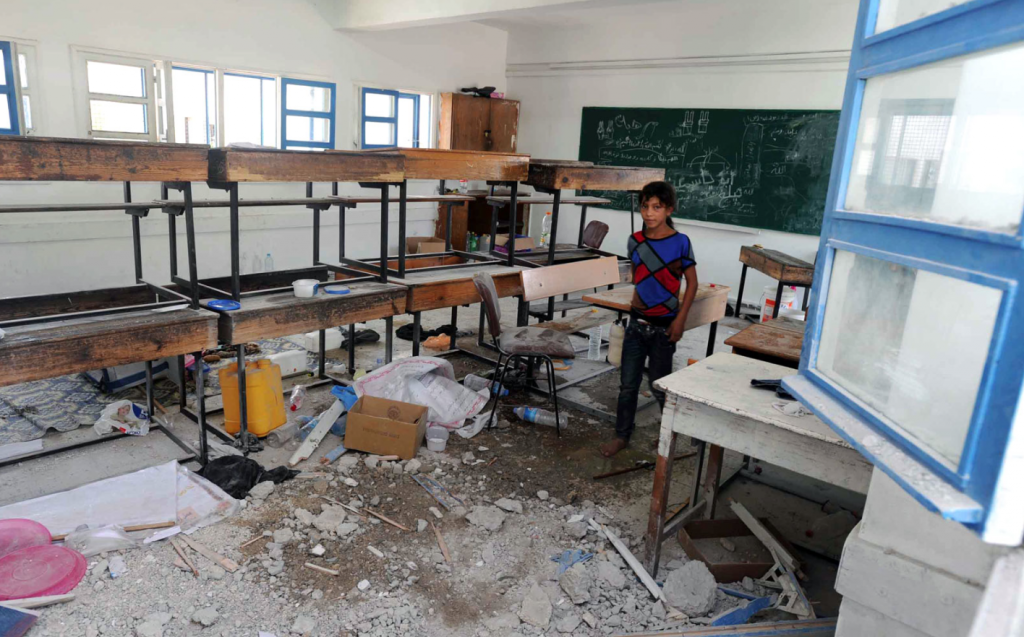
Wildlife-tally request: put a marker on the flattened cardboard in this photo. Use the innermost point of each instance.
(522, 243)
(386, 427)
(423, 245)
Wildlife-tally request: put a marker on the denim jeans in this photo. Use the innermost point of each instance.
(643, 343)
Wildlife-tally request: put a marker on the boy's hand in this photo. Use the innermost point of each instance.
(675, 330)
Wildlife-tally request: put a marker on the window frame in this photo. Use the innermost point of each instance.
(84, 96)
(417, 141)
(985, 489)
(9, 90)
(218, 95)
(32, 92)
(255, 76)
(329, 115)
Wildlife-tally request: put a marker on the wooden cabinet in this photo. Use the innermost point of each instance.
(478, 123)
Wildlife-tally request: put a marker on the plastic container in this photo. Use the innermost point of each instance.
(618, 335)
(473, 243)
(305, 288)
(483, 244)
(768, 300)
(291, 362)
(282, 435)
(38, 571)
(594, 348)
(17, 534)
(268, 263)
(298, 394)
(264, 397)
(437, 438)
(545, 229)
(541, 416)
(476, 383)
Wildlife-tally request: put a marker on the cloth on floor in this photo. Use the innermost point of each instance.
(237, 475)
(405, 332)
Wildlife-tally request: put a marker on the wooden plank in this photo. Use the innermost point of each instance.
(778, 341)
(65, 302)
(581, 175)
(283, 314)
(580, 322)
(324, 423)
(800, 628)
(437, 163)
(778, 265)
(229, 565)
(541, 283)
(450, 293)
(259, 164)
(708, 305)
(38, 602)
(763, 534)
(184, 558)
(34, 352)
(634, 563)
(57, 159)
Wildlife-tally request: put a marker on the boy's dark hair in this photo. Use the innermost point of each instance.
(665, 193)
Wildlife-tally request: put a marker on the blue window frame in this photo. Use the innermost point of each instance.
(392, 118)
(9, 124)
(307, 114)
(912, 350)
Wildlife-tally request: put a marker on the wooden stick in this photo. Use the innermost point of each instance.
(644, 576)
(388, 520)
(385, 458)
(229, 565)
(184, 558)
(322, 569)
(252, 541)
(38, 602)
(128, 529)
(764, 535)
(352, 510)
(441, 544)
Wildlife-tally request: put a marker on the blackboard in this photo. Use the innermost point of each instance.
(756, 168)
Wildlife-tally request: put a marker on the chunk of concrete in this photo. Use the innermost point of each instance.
(691, 589)
(576, 583)
(488, 517)
(536, 607)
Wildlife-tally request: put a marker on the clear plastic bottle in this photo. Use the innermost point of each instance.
(278, 437)
(476, 383)
(257, 264)
(618, 335)
(483, 244)
(243, 263)
(541, 416)
(295, 402)
(545, 229)
(464, 186)
(594, 349)
(268, 263)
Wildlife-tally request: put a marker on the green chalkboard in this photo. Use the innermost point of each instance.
(757, 168)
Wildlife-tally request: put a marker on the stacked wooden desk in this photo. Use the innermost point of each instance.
(776, 341)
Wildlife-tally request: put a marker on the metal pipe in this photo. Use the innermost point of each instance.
(190, 229)
(513, 221)
(136, 234)
(384, 233)
(401, 227)
(236, 285)
(200, 405)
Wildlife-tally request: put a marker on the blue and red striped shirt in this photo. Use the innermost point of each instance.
(658, 266)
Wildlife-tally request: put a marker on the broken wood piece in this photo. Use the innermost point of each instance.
(310, 475)
(323, 425)
(741, 614)
(765, 536)
(388, 520)
(638, 568)
(385, 458)
(252, 541)
(354, 511)
(802, 628)
(375, 551)
(441, 544)
(322, 569)
(229, 565)
(183, 557)
(128, 529)
(39, 602)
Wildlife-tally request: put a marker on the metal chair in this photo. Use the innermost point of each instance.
(518, 343)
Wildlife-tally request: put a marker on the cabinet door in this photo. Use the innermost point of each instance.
(470, 117)
(504, 125)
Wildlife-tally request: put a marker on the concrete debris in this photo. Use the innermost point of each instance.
(318, 550)
(262, 490)
(435, 512)
(283, 536)
(351, 483)
(590, 619)
(748, 584)
(658, 610)
(346, 528)
(488, 517)
(576, 583)
(304, 625)
(691, 589)
(413, 466)
(421, 526)
(512, 506)
(371, 462)
(542, 495)
(611, 575)
(568, 623)
(727, 544)
(303, 516)
(502, 622)
(536, 608)
(207, 616)
(330, 518)
(363, 585)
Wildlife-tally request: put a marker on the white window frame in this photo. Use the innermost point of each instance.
(81, 58)
(28, 49)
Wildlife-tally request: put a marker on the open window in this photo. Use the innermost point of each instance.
(394, 118)
(9, 117)
(912, 350)
(307, 114)
(119, 96)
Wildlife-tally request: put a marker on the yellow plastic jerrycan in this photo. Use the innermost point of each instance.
(264, 397)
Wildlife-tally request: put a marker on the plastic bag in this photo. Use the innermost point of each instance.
(91, 542)
(124, 416)
(236, 475)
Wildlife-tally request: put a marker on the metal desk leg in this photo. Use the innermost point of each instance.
(807, 298)
(739, 292)
(236, 286)
(778, 301)
(322, 366)
(711, 481)
(150, 399)
(182, 398)
(713, 332)
(401, 228)
(659, 499)
(448, 231)
(243, 405)
(201, 409)
(480, 329)
(583, 225)
(416, 333)
(555, 204)
(513, 221)
(352, 349)
(455, 323)
(389, 338)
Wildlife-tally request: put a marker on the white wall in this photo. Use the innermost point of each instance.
(61, 252)
(683, 53)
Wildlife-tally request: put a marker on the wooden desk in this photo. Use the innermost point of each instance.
(57, 159)
(556, 174)
(707, 309)
(777, 341)
(712, 401)
(439, 163)
(264, 164)
(780, 266)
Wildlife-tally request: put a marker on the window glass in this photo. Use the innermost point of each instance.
(118, 117)
(893, 13)
(5, 115)
(308, 129)
(27, 107)
(425, 137)
(116, 79)
(23, 68)
(910, 344)
(378, 105)
(944, 142)
(3, 69)
(406, 122)
(195, 112)
(247, 114)
(270, 116)
(308, 98)
(380, 133)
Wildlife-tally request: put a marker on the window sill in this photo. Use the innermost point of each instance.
(916, 479)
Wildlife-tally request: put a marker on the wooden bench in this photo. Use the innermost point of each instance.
(546, 282)
(780, 266)
(776, 341)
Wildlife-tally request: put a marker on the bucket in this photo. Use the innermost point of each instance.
(264, 397)
(437, 438)
(768, 300)
(305, 288)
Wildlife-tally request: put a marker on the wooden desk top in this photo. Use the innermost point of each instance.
(57, 159)
(272, 165)
(504, 200)
(778, 265)
(355, 199)
(621, 298)
(782, 338)
(436, 163)
(557, 174)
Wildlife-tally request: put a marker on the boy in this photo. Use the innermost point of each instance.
(661, 258)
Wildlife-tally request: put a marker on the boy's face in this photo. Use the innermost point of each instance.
(654, 212)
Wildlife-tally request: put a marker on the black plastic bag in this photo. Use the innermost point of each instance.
(238, 474)
(405, 332)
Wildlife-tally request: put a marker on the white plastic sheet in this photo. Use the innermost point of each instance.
(427, 381)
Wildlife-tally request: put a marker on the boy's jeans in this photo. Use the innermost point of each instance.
(643, 342)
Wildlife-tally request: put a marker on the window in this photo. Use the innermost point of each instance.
(9, 121)
(194, 95)
(250, 109)
(394, 118)
(913, 351)
(120, 96)
(27, 83)
(307, 114)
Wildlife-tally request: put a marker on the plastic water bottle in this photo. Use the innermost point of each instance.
(278, 437)
(268, 263)
(545, 229)
(618, 334)
(257, 265)
(476, 383)
(243, 263)
(594, 350)
(295, 402)
(541, 416)
(483, 244)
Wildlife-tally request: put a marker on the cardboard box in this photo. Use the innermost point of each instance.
(423, 245)
(522, 243)
(386, 427)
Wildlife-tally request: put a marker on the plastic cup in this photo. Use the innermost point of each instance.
(305, 288)
(437, 438)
